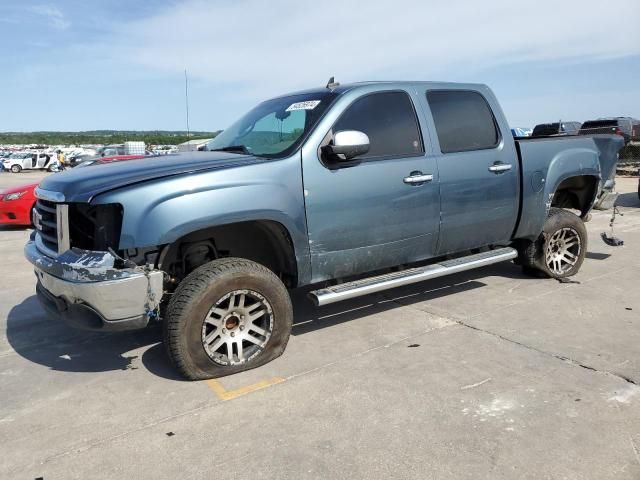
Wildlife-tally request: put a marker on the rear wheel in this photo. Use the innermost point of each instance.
(16, 168)
(227, 316)
(560, 249)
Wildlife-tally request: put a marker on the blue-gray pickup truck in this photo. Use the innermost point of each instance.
(347, 189)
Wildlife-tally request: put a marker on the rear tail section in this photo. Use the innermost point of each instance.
(609, 147)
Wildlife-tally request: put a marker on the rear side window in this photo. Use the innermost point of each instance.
(464, 121)
(390, 122)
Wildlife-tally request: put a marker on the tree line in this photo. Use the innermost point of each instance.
(104, 137)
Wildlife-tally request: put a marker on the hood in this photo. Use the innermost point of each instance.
(82, 184)
(22, 188)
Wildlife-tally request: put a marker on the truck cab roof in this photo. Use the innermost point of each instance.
(343, 88)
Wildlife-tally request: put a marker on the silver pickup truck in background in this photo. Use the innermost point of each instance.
(348, 189)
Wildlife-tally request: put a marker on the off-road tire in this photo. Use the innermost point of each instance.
(16, 168)
(199, 292)
(533, 254)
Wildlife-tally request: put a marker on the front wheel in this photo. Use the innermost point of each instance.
(227, 316)
(16, 168)
(560, 249)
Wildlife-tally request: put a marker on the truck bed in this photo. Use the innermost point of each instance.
(543, 158)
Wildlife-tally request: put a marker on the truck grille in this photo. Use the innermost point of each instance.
(46, 222)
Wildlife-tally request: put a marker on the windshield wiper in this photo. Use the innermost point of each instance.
(233, 149)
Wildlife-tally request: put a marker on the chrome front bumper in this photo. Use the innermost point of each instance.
(86, 290)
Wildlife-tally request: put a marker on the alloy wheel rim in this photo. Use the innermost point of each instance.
(237, 327)
(563, 250)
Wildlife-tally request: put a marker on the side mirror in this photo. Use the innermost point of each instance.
(348, 144)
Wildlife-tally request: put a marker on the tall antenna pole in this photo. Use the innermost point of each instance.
(186, 101)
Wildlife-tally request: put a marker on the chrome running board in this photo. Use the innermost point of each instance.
(345, 291)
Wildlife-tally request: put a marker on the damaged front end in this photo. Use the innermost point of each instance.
(81, 279)
(85, 289)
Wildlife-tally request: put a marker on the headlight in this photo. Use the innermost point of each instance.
(13, 196)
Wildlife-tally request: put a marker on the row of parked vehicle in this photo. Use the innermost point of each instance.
(51, 160)
(30, 160)
(626, 127)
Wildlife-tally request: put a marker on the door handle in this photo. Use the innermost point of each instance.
(417, 177)
(500, 167)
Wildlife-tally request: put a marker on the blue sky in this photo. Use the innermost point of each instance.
(118, 64)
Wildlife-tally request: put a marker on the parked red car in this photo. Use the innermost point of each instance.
(16, 205)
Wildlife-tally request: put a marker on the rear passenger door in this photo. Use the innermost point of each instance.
(479, 183)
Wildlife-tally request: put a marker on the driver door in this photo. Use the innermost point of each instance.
(369, 214)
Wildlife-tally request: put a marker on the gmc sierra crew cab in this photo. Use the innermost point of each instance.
(348, 189)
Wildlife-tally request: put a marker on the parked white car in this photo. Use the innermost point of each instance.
(31, 161)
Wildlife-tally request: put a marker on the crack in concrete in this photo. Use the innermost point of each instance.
(635, 449)
(565, 359)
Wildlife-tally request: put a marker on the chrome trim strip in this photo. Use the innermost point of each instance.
(50, 196)
(62, 217)
(369, 285)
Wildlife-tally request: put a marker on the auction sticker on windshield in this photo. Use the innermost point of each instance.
(308, 105)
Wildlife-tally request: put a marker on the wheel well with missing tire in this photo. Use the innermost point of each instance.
(577, 193)
(265, 242)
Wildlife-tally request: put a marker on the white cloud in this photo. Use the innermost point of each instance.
(268, 47)
(52, 14)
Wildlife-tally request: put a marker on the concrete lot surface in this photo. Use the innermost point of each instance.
(486, 374)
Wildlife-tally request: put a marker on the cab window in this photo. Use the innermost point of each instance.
(464, 121)
(389, 120)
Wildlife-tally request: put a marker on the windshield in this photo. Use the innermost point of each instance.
(20, 155)
(275, 128)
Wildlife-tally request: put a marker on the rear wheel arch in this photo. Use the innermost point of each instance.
(266, 242)
(576, 193)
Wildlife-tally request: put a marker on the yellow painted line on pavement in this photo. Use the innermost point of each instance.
(224, 394)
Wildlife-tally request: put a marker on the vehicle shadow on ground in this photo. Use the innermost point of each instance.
(13, 228)
(309, 318)
(628, 200)
(49, 342)
(46, 341)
